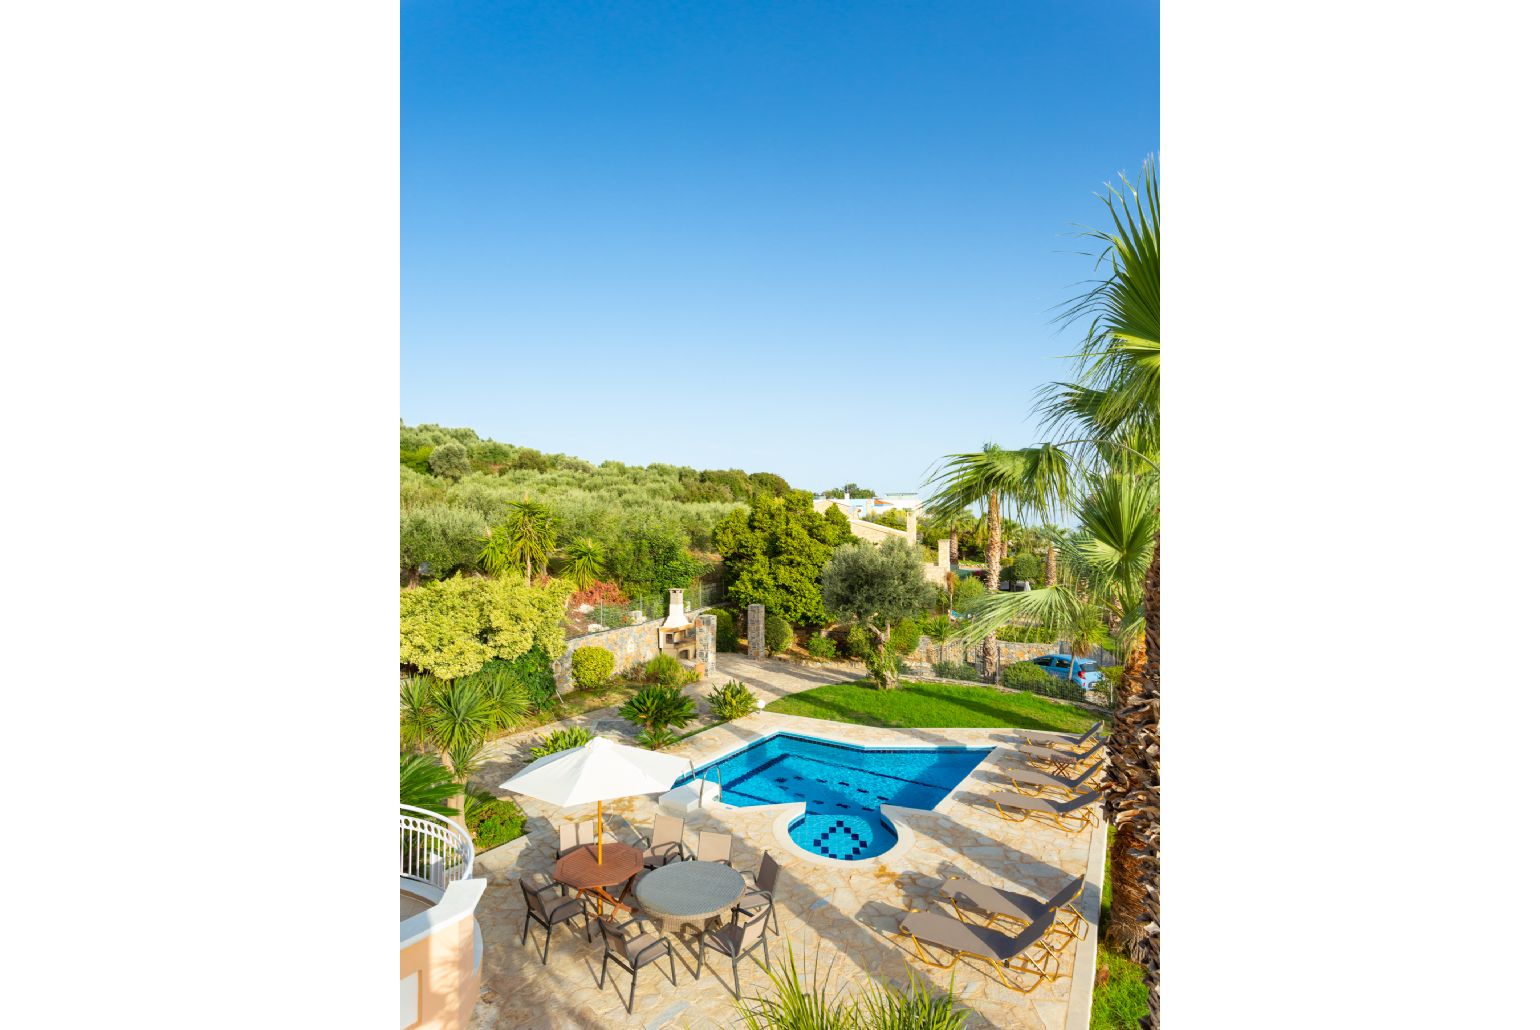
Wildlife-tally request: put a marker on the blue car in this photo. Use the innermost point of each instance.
(1085, 672)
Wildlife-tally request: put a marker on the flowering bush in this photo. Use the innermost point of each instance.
(600, 592)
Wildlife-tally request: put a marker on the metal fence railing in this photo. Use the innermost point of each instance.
(653, 606)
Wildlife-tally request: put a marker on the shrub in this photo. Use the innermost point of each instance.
(732, 700)
(495, 822)
(561, 740)
(800, 998)
(532, 670)
(1027, 634)
(665, 670)
(955, 671)
(654, 740)
(599, 592)
(658, 708)
(821, 647)
(454, 627)
(1038, 680)
(1112, 676)
(905, 637)
(858, 642)
(592, 666)
(777, 633)
(970, 589)
(727, 630)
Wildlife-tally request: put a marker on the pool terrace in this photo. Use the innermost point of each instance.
(840, 913)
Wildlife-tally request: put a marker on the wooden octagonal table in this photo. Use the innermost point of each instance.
(580, 868)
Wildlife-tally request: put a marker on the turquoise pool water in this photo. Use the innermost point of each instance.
(844, 786)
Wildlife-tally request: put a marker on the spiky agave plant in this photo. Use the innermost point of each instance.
(657, 708)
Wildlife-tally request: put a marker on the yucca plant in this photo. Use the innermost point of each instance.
(732, 700)
(585, 562)
(561, 740)
(658, 708)
(508, 700)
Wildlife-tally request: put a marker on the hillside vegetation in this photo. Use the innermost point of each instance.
(653, 523)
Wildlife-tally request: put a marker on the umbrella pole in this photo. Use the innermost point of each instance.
(599, 830)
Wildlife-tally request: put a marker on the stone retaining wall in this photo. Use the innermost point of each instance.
(637, 645)
(928, 652)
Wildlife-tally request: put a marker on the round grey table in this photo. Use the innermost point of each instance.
(682, 893)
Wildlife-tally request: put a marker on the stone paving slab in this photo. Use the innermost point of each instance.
(838, 916)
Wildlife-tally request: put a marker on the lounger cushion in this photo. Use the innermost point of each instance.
(993, 900)
(955, 935)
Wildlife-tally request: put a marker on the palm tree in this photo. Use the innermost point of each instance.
(526, 535)
(585, 561)
(1108, 421)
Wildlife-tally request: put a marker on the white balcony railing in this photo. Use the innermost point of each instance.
(433, 849)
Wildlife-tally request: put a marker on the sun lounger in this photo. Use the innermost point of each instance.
(1062, 762)
(1035, 781)
(999, 903)
(1084, 744)
(1009, 955)
(1073, 815)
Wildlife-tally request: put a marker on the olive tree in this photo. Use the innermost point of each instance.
(876, 587)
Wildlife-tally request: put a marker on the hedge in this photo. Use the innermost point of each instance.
(1038, 680)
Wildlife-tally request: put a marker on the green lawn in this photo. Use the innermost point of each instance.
(932, 706)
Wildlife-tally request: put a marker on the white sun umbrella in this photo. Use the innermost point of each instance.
(599, 771)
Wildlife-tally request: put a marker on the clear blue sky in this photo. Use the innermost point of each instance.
(822, 240)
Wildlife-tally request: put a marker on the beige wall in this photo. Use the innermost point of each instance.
(444, 959)
(447, 983)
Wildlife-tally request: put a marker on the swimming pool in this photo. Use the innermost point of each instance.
(845, 786)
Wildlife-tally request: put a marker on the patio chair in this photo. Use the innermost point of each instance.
(538, 908)
(631, 954)
(715, 847)
(574, 835)
(1064, 743)
(735, 942)
(1035, 781)
(762, 893)
(998, 903)
(1073, 815)
(667, 843)
(1006, 954)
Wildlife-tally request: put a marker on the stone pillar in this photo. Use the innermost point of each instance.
(706, 641)
(911, 527)
(943, 554)
(756, 632)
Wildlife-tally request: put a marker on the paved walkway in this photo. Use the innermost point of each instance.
(839, 915)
